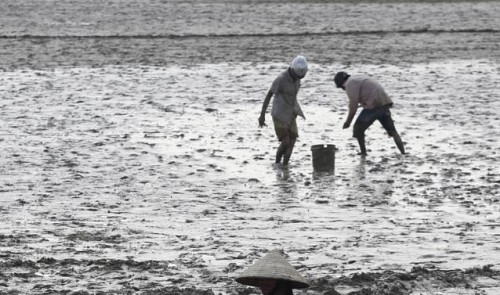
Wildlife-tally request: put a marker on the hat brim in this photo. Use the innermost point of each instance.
(256, 281)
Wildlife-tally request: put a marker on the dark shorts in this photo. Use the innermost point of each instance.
(367, 117)
(283, 129)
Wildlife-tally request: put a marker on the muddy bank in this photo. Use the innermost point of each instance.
(419, 280)
(372, 48)
(162, 33)
(134, 277)
(152, 17)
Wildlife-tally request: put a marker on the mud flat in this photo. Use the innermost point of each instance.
(132, 161)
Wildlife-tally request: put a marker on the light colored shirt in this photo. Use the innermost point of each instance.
(365, 91)
(285, 105)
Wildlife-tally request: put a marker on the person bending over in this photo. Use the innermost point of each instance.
(365, 91)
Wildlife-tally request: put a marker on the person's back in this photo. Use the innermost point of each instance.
(366, 91)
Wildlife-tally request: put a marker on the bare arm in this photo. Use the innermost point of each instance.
(353, 107)
(265, 104)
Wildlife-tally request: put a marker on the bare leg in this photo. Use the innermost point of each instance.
(282, 149)
(280, 152)
(289, 150)
(399, 142)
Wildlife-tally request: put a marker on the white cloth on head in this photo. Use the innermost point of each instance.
(299, 66)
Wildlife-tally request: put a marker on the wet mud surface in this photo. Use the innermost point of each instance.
(132, 161)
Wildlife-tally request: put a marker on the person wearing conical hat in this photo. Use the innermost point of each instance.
(285, 108)
(273, 275)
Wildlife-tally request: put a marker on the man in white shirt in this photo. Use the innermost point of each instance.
(364, 91)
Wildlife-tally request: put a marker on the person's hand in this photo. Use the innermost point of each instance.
(346, 125)
(262, 121)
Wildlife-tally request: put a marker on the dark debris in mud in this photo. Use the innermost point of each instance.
(129, 276)
(401, 283)
(144, 277)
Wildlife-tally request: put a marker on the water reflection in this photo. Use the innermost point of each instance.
(287, 186)
(323, 175)
(282, 173)
(360, 169)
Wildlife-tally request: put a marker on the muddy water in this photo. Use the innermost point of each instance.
(136, 164)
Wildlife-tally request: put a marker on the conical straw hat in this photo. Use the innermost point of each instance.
(272, 266)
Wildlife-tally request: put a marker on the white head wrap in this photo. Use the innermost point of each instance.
(299, 66)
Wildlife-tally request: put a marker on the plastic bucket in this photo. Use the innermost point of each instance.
(323, 157)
